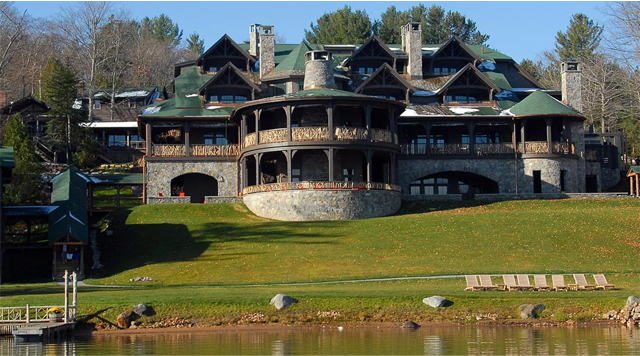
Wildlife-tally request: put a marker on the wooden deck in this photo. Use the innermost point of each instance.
(40, 332)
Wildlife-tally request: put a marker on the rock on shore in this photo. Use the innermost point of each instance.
(282, 301)
(629, 315)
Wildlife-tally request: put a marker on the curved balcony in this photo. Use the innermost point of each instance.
(317, 185)
(321, 133)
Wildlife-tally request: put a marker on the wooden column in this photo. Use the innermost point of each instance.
(637, 185)
(392, 169)
(128, 138)
(427, 128)
(329, 153)
(523, 123)
(243, 130)
(257, 114)
(257, 156)
(472, 138)
(187, 140)
(368, 120)
(289, 164)
(369, 165)
(149, 139)
(287, 111)
(631, 186)
(330, 108)
(549, 137)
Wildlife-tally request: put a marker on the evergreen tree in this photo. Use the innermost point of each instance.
(388, 28)
(26, 185)
(195, 44)
(162, 28)
(580, 40)
(341, 26)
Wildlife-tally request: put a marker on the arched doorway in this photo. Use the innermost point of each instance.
(453, 182)
(194, 185)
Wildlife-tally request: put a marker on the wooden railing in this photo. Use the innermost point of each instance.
(351, 133)
(214, 150)
(32, 314)
(138, 145)
(249, 140)
(592, 155)
(486, 149)
(450, 149)
(319, 133)
(168, 150)
(273, 136)
(315, 185)
(564, 148)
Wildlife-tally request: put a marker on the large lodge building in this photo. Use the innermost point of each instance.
(314, 132)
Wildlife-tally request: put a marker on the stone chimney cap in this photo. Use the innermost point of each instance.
(571, 65)
(317, 56)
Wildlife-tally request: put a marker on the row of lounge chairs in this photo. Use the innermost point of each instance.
(540, 283)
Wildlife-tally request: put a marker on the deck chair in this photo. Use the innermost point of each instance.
(581, 282)
(485, 282)
(558, 283)
(540, 280)
(523, 282)
(601, 282)
(472, 283)
(509, 282)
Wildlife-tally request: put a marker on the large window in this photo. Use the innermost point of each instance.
(445, 71)
(215, 139)
(295, 174)
(227, 99)
(366, 70)
(117, 140)
(348, 174)
(429, 186)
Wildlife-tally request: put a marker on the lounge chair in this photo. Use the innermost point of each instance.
(486, 283)
(472, 283)
(601, 282)
(540, 280)
(523, 282)
(581, 282)
(558, 282)
(509, 282)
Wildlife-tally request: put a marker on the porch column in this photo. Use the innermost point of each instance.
(637, 185)
(149, 139)
(368, 121)
(329, 153)
(128, 138)
(631, 186)
(427, 128)
(472, 138)
(330, 121)
(392, 169)
(287, 111)
(289, 164)
(243, 130)
(392, 125)
(549, 138)
(257, 157)
(187, 145)
(523, 123)
(369, 165)
(257, 115)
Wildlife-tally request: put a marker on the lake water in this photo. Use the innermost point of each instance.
(447, 340)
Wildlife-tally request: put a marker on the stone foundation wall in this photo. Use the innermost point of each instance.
(218, 200)
(160, 174)
(610, 177)
(168, 200)
(307, 205)
(502, 197)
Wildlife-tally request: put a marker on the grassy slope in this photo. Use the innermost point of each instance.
(226, 245)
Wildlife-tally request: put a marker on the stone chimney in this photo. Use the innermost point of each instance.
(254, 40)
(572, 84)
(412, 46)
(267, 50)
(318, 70)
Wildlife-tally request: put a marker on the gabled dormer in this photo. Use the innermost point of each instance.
(229, 86)
(370, 56)
(450, 58)
(226, 50)
(468, 86)
(386, 82)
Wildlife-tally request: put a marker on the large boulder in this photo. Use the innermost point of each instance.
(528, 311)
(632, 300)
(282, 301)
(437, 302)
(140, 309)
(124, 319)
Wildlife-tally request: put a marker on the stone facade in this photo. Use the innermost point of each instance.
(160, 174)
(168, 200)
(572, 85)
(501, 171)
(318, 71)
(267, 51)
(307, 205)
(412, 45)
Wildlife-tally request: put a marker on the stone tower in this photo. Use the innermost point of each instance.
(318, 70)
(254, 40)
(572, 84)
(267, 50)
(412, 46)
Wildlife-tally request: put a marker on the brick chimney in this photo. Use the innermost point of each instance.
(254, 40)
(318, 70)
(572, 84)
(412, 46)
(267, 50)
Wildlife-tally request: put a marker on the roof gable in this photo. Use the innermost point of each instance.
(23, 103)
(295, 59)
(225, 47)
(454, 47)
(372, 47)
(229, 75)
(385, 76)
(540, 104)
(187, 88)
(469, 76)
(70, 196)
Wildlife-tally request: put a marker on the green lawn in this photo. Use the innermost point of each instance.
(224, 244)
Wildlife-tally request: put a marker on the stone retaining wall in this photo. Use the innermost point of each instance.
(160, 174)
(168, 200)
(218, 200)
(502, 197)
(307, 205)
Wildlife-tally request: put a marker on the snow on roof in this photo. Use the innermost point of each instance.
(151, 110)
(191, 95)
(409, 113)
(77, 104)
(120, 124)
(462, 111)
(487, 66)
(526, 90)
(211, 107)
(76, 219)
(132, 94)
(430, 48)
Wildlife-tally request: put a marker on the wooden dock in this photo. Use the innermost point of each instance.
(42, 332)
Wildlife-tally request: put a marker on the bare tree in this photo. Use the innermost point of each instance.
(81, 24)
(603, 91)
(12, 33)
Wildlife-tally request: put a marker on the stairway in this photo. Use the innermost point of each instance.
(43, 151)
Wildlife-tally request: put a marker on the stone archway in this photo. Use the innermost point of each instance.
(194, 185)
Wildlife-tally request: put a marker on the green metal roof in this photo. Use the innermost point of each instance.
(487, 53)
(540, 103)
(167, 108)
(187, 88)
(325, 92)
(70, 195)
(295, 59)
(37, 210)
(107, 179)
(6, 157)
(499, 80)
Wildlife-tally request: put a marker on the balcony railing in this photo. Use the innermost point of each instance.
(321, 133)
(195, 150)
(313, 185)
(486, 149)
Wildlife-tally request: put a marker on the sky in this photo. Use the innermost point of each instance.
(520, 29)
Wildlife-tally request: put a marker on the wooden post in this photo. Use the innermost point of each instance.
(187, 139)
(549, 137)
(74, 300)
(369, 165)
(330, 123)
(329, 153)
(27, 314)
(66, 296)
(523, 123)
(631, 185)
(149, 138)
(637, 185)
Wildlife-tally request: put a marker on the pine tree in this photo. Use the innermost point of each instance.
(26, 185)
(195, 44)
(580, 40)
(341, 26)
(390, 22)
(162, 28)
